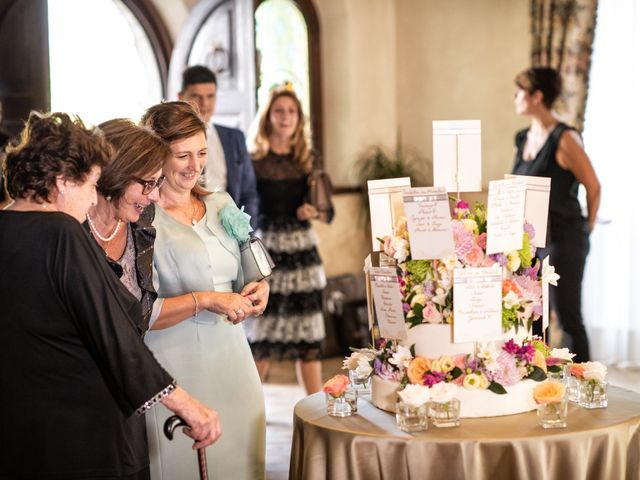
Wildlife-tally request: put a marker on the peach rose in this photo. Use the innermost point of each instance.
(539, 360)
(549, 392)
(336, 386)
(577, 370)
(510, 286)
(417, 368)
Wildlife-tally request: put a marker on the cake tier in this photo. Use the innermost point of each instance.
(435, 340)
(473, 403)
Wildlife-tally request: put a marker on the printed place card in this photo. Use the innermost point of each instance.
(385, 206)
(477, 304)
(428, 222)
(545, 296)
(505, 215)
(536, 205)
(457, 155)
(388, 303)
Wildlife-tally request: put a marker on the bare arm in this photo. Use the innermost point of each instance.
(176, 309)
(571, 156)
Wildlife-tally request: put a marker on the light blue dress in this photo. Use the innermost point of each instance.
(207, 355)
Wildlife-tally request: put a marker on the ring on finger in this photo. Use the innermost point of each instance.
(239, 312)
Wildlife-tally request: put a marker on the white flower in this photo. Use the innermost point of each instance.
(440, 297)
(510, 300)
(472, 381)
(353, 361)
(562, 353)
(549, 275)
(419, 298)
(401, 247)
(513, 261)
(443, 392)
(415, 395)
(364, 367)
(594, 371)
(402, 358)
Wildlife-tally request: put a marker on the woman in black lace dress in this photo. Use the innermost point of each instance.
(292, 326)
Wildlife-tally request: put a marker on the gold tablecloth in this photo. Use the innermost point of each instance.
(602, 444)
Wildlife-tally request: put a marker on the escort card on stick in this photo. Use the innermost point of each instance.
(505, 215)
(385, 206)
(388, 303)
(428, 222)
(477, 304)
(457, 155)
(536, 205)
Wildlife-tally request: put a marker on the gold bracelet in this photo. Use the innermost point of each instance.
(195, 312)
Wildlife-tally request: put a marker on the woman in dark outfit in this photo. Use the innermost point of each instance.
(550, 148)
(74, 371)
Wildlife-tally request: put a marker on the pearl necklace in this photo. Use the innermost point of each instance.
(94, 230)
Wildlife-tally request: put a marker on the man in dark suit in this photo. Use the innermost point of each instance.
(229, 166)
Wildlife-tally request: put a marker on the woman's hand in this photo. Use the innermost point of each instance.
(235, 306)
(306, 211)
(258, 293)
(204, 423)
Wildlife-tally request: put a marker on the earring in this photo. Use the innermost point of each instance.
(61, 192)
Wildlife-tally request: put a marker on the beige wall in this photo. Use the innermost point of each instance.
(399, 64)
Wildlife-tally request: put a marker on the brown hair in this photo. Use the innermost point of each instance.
(52, 145)
(139, 153)
(174, 121)
(299, 139)
(545, 79)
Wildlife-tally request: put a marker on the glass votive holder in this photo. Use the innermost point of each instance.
(410, 418)
(553, 415)
(445, 414)
(563, 376)
(592, 394)
(361, 382)
(573, 394)
(344, 405)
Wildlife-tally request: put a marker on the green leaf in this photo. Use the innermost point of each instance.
(455, 373)
(537, 374)
(497, 388)
(554, 368)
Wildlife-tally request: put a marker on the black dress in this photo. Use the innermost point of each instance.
(292, 326)
(567, 237)
(73, 367)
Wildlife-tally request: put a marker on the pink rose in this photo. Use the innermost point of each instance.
(431, 314)
(336, 386)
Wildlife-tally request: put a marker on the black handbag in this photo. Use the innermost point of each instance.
(320, 191)
(255, 259)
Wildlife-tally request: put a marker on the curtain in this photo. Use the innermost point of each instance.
(612, 124)
(562, 33)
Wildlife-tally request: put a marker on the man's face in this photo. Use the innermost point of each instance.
(202, 95)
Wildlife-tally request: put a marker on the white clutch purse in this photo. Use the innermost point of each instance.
(256, 261)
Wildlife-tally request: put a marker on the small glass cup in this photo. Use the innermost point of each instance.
(562, 376)
(573, 394)
(361, 382)
(445, 414)
(344, 405)
(592, 394)
(553, 415)
(410, 418)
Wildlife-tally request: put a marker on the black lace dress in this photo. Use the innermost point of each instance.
(292, 326)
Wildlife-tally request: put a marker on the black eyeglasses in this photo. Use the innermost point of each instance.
(149, 185)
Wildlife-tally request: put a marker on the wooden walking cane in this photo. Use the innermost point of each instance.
(169, 426)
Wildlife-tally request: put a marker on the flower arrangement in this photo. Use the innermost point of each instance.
(336, 386)
(550, 391)
(552, 404)
(427, 285)
(592, 388)
(235, 221)
(492, 369)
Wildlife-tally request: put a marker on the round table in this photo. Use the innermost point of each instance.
(602, 444)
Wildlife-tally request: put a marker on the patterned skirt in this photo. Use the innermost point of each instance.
(292, 326)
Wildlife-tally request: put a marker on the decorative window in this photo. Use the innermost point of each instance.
(103, 63)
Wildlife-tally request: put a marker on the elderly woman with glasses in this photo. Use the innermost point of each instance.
(128, 184)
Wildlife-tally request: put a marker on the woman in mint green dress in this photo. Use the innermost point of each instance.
(195, 331)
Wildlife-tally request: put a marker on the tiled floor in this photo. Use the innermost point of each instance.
(281, 394)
